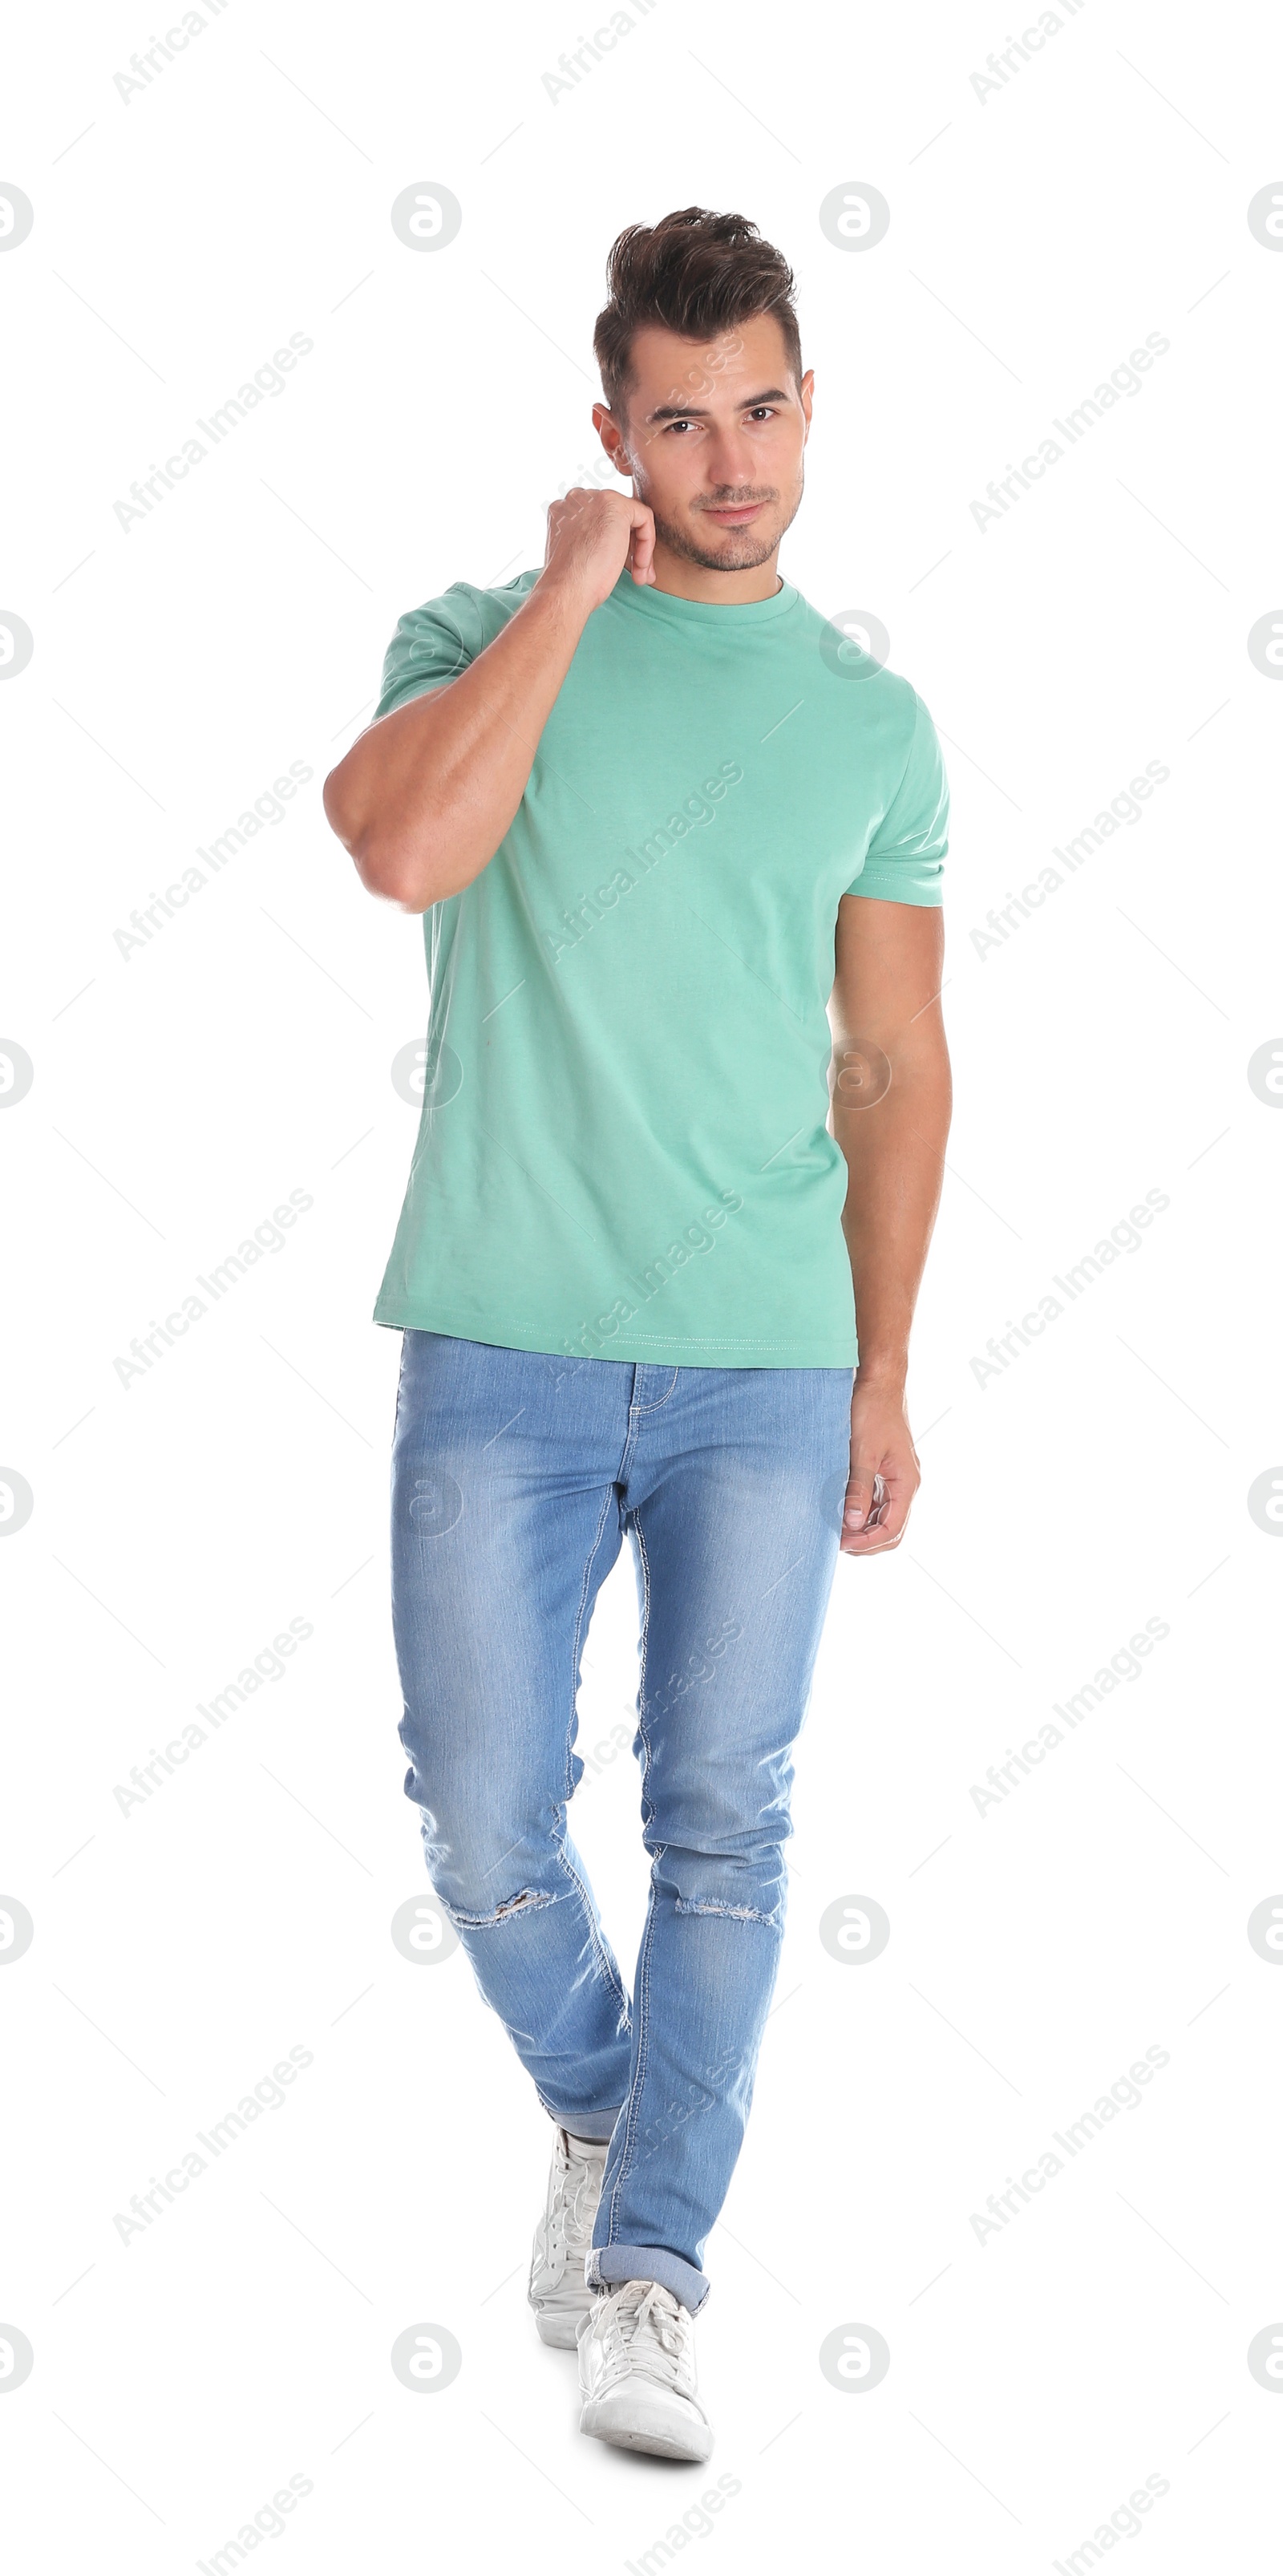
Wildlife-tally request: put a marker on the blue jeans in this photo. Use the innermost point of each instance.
(514, 1479)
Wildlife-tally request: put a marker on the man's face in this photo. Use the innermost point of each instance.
(712, 439)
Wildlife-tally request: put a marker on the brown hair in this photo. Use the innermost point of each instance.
(695, 273)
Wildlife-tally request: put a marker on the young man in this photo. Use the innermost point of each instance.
(662, 818)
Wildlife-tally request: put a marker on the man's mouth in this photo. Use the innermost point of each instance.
(734, 514)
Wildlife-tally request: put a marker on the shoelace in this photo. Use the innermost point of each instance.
(644, 2330)
(567, 2184)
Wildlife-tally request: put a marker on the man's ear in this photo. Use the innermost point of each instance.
(611, 433)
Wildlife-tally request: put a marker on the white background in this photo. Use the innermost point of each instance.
(1038, 1948)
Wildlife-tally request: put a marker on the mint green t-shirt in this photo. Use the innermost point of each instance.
(623, 1150)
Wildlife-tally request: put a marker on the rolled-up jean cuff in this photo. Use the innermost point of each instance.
(608, 2265)
(597, 2125)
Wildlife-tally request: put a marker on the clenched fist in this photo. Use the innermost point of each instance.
(591, 537)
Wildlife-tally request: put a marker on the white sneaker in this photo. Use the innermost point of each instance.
(558, 2292)
(637, 2373)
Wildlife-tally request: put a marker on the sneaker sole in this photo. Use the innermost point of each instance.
(663, 2438)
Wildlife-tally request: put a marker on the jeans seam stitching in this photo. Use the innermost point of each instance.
(601, 1954)
(657, 1407)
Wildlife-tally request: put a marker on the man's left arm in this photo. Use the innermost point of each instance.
(891, 1103)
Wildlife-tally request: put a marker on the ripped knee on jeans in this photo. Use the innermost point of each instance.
(737, 1913)
(527, 1901)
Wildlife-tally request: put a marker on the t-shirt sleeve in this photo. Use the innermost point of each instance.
(907, 851)
(431, 645)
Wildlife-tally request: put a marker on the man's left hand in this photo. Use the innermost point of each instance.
(881, 1447)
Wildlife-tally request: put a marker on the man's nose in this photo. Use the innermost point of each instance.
(729, 457)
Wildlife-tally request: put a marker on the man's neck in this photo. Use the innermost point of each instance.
(683, 579)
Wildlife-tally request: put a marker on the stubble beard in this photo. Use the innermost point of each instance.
(741, 550)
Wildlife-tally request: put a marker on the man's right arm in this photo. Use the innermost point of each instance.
(424, 797)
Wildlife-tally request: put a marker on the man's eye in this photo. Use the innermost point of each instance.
(681, 424)
(762, 411)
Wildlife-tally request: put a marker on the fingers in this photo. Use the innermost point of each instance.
(643, 544)
(877, 1535)
(859, 1500)
(872, 1540)
(601, 533)
(876, 1509)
